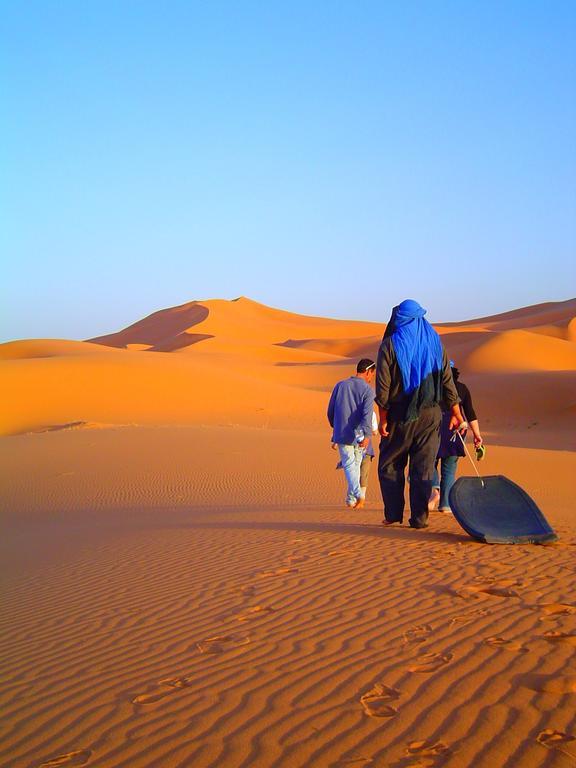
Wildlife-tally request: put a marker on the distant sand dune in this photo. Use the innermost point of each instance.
(135, 387)
(551, 313)
(38, 348)
(354, 348)
(240, 362)
(520, 350)
(158, 327)
(241, 318)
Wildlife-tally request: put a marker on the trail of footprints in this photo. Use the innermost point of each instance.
(381, 701)
(225, 643)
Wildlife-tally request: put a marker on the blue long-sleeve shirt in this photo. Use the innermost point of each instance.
(350, 410)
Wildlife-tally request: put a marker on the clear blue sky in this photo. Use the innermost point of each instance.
(327, 157)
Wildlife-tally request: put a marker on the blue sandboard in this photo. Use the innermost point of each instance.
(499, 513)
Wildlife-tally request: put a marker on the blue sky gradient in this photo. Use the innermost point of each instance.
(324, 157)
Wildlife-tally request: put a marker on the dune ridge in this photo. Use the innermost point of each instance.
(241, 362)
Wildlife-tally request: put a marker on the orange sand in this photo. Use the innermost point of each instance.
(183, 586)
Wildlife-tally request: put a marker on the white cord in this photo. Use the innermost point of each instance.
(470, 457)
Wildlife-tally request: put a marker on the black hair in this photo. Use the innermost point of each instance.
(364, 365)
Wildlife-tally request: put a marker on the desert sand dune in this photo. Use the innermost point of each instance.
(520, 350)
(30, 349)
(157, 328)
(553, 313)
(184, 587)
(274, 362)
(240, 318)
(139, 388)
(353, 348)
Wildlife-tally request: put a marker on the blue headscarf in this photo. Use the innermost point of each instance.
(416, 344)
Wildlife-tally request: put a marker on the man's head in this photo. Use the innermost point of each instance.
(366, 369)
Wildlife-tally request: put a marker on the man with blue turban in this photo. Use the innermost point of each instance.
(413, 378)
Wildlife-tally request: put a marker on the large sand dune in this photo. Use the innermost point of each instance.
(184, 588)
(240, 362)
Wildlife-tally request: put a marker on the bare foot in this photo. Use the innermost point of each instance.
(433, 500)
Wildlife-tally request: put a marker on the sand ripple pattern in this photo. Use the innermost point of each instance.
(284, 637)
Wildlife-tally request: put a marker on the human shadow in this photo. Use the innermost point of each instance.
(395, 532)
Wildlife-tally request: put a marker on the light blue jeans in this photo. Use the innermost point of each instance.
(446, 480)
(351, 457)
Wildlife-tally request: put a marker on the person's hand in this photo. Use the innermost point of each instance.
(456, 419)
(477, 441)
(383, 429)
(456, 422)
(383, 421)
(334, 446)
(364, 443)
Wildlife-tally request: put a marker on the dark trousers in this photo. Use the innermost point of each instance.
(418, 441)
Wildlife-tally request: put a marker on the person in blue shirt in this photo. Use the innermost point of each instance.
(350, 415)
(367, 459)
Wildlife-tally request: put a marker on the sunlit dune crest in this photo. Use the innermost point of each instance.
(242, 362)
(30, 349)
(552, 314)
(240, 318)
(521, 350)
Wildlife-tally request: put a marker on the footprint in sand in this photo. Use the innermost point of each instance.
(474, 591)
(508, 645)
(79, 757)
(418, 634)
(560, 637)
(170, 685)
(222, 643)
(498, 581)
(558, 740)
(376, 701)
(256, 612)
(552, 610)
(426, 754)
(430, 662)
(468, 618)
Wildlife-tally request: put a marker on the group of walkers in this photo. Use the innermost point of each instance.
(421, 409)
